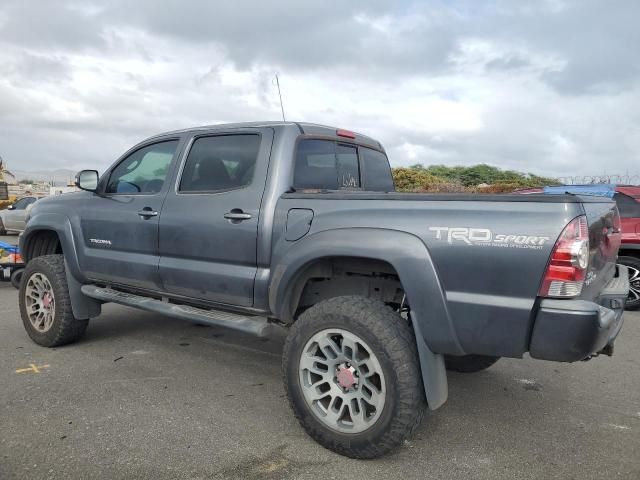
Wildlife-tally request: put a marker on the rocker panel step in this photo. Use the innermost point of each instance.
(254, 325)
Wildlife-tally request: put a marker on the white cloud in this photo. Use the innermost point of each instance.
(541, 88)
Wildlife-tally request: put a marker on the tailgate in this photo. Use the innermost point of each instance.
(604, 241)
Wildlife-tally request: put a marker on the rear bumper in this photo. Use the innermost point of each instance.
(572, 330)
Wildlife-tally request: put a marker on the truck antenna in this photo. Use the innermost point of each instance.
(280, 96)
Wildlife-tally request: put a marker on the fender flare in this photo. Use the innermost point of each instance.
(82, 306)
(410, 257)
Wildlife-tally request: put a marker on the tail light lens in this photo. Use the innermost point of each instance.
(569, 261)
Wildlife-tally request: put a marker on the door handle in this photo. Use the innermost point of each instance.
(147, 213)
(237, 215)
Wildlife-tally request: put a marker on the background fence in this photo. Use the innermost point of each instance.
(626, 179)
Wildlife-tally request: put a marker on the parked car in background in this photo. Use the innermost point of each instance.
(627, 198)
(14, 217)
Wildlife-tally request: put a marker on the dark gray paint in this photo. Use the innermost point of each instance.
(464, 298)
(203, 254)
(298, 223)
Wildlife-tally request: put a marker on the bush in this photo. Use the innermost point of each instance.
(440, 178)
(414, 180)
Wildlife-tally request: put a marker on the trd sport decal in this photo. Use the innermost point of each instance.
(485, 237)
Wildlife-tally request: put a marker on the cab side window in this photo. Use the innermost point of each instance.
(144, 171)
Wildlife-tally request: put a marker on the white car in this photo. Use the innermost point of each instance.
(14, 217)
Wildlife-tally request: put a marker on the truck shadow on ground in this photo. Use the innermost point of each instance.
(497, 395)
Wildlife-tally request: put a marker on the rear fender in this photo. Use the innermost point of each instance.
(410, 258)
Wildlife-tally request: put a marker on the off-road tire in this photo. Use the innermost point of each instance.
(392, 340)
(65, 328)
(632, 262)
(469, 363)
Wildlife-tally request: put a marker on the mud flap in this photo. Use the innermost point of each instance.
(83, 307)
(434, 374)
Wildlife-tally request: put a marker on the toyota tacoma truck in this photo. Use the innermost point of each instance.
(270, 225)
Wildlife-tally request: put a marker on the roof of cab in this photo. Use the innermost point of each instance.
(305, 128)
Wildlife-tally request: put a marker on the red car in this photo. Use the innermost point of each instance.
(627, 198)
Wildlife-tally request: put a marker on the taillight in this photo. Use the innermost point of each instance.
(569, 261)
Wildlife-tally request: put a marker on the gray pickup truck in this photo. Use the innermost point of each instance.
(292, 225)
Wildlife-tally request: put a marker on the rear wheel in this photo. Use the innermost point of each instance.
(469, 363)
(352, 376)
(45, 305)
(633, 264)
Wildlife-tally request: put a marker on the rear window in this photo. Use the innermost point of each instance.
(326, 165)
(627, 206)
(376, 172)
(330, 165)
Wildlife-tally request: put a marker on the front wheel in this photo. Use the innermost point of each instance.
(352, 376)
(633, 264)
(45, 305)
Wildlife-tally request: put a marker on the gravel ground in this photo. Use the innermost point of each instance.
(144, 396)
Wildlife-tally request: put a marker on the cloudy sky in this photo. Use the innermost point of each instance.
(550, 87)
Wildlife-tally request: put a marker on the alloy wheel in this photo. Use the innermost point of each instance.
(40, 302)
(342, 381)
(634, 285)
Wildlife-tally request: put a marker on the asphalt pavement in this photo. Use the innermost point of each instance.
(145, 396)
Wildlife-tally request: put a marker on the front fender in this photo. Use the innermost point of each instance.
(83, 307)
(61, 225)
(410, 257)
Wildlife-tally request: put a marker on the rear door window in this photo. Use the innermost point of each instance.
(219, 163)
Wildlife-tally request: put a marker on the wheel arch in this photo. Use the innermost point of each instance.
(50, 234)
(411, 261)
(338, 275)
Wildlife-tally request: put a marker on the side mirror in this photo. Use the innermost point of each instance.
(11, 207)
(87, 180)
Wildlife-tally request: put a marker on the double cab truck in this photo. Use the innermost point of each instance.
(260, 226)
